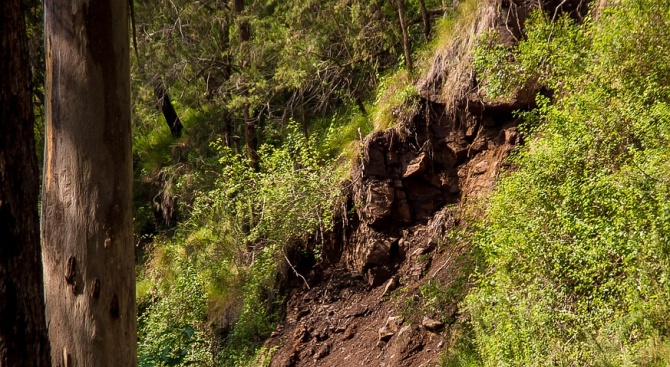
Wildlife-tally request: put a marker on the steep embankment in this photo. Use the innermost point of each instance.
(389, 291)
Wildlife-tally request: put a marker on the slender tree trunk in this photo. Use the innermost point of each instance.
(224, 40)
(426, 18)
(405, 37)
(250, 136)
(303, 117)
(361, 106)
(87, 234)
(251, 139)
(23, 328)
(171, 117)
(243, 25)
(227, 129)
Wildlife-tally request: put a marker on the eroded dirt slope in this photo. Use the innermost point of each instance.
(353, 312)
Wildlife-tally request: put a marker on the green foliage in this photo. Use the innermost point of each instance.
(433, 298)
(336, 139)
(258, 317)
(548, 57)
(285, 201)
(397, 98)
(302, 59)
(305, 76)
(576, 240)
(168, 329)
(462, 351)
(237, 236)
(437, 298)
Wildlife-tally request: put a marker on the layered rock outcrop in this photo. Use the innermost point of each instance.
(405, 174)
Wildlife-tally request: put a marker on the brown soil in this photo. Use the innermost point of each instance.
(337, 321)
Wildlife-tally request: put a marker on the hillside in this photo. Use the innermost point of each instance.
(504, 203)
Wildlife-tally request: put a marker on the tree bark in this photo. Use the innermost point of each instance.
(425, 16)
(23, 328)
(243, 25)
(88, 252)
(405, 37)
(251, 140)
(361, 106)
(171, 117)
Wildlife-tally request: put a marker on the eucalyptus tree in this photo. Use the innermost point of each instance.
(87, 237)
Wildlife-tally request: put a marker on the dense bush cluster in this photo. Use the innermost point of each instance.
(224, 263)
(576, 238)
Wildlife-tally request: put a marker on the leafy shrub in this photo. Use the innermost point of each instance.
(576, 240)
(167, 329)
(237, 237)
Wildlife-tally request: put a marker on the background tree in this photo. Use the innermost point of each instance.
(23, 334)
(165, 104)
(250, 135)
(402, 23)
(425, 18)
(86, 209)
(272, 61)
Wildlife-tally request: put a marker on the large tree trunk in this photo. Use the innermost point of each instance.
(405, 37)
(86, 209)
(23, 329)
(171, 118)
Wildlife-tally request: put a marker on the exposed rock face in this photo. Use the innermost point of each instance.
(405, 174)
(449, 146)
(452, 145)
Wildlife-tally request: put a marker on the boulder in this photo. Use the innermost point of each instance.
(457, 146)
(480, 168)
(389, 329)
(414, 164)
(408, 341)
(378, 203)
(431, 324)
(390, 285)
